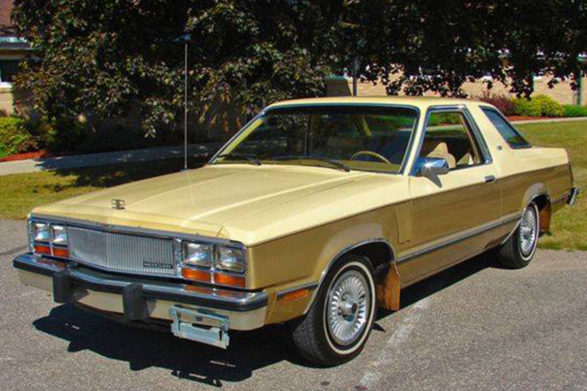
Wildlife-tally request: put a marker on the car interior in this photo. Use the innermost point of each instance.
(366, 141)
(449, 137)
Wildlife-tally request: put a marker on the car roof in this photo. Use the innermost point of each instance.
(421, 102)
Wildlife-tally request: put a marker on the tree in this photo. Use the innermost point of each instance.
(459, 41)
(105, 58)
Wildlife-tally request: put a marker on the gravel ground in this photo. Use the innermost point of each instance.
(475, 326)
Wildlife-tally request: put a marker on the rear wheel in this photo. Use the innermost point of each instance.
(519, 249)
(337, 326)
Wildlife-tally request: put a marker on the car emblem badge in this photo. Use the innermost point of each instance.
(118, 204)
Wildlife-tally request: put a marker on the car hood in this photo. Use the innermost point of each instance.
(230, 200)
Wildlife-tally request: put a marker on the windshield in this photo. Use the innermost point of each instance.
(339, 137)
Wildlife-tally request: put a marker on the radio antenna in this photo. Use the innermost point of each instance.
(186, 39)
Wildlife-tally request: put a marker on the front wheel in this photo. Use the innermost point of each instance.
(519, 249)
(337, 326)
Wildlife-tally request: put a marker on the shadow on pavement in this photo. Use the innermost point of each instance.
(442, 280)
(185, 359)
(193, 361)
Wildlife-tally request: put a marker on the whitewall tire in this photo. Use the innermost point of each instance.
(339, 322)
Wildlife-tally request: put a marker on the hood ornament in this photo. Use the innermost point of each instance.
(118, 204)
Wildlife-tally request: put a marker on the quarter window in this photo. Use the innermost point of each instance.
(507, 131)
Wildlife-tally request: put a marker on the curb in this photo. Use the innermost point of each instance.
(547, 120)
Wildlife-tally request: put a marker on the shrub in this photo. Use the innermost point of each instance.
(538, 106)
(14, 136)
(527, 108)
(502, 102)
(57, 135)
(549, 107)
(575, 111)
(68, 135)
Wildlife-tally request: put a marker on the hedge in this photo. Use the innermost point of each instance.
(539, 106)
(14, 137)
(575, 111)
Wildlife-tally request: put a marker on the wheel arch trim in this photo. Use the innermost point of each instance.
(339, 256)
(530, 200)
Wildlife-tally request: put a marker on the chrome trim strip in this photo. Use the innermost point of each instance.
(510, 234)
(342, 253)
(476, 231)
(478, 135)
(236, 135)
(310, 285)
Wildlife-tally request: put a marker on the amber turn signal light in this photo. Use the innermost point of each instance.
(295, 295)
(39, 249)
(227, 279)
(60, 252)
(196, 275)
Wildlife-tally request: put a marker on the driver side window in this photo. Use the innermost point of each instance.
(449, 136)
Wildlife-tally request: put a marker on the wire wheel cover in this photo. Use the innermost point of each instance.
(348, 307)
(528, 231)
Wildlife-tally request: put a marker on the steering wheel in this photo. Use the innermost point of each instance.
(372, 154)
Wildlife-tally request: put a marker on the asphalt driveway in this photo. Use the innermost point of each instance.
(475, 326)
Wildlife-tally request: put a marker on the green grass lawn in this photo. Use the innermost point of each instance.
(22, 192)
(569, 225)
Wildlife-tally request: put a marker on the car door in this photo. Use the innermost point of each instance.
(450, 213)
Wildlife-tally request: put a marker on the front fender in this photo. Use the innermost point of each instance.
(304, 259)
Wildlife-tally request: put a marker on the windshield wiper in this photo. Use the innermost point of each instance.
(250, 157)
(332, 162)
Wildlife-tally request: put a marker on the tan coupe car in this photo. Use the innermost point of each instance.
(314, 214)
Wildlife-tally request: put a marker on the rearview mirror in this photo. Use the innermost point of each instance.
(431, 167)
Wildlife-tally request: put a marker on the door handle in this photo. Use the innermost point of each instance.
(489, 179)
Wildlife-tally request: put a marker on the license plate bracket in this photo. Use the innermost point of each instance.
(213, 328)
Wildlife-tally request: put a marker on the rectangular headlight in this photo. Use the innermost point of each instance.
(230, 259)
(41, 232)
(197, 254)
(59, 234)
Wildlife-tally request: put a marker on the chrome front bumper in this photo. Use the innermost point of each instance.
(138, 299)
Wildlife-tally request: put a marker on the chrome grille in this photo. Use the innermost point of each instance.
(122, 252)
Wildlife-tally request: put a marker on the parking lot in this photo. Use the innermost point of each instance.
(475, 326)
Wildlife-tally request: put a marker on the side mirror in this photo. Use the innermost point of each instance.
(431, 167)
